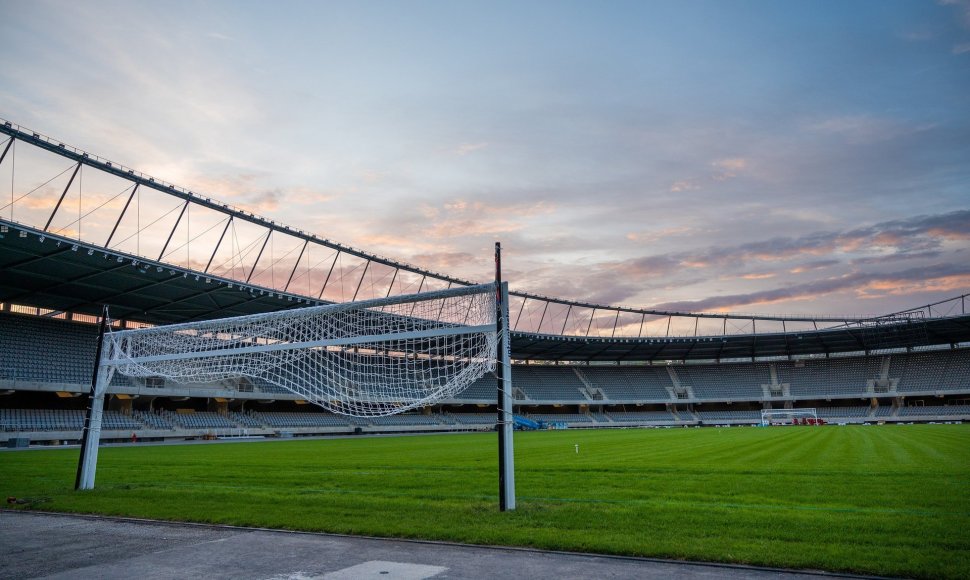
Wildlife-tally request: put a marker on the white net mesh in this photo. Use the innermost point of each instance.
(371, 358)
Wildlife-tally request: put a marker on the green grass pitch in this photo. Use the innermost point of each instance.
(883, 499)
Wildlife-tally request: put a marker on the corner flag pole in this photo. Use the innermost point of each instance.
(503, 374)
(91, 435)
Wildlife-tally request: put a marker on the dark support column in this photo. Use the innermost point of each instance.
(327, 281)
(219, 243)
(258, 256)
(122, 216)
(296, 265)
(59, 201)
(5, 149)
(393, 278)
(172, 233)
(361, 283)
(543, 317)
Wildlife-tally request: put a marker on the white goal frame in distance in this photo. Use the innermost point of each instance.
(429, 357)
(767, 414)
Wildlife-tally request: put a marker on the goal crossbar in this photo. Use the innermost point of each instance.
(284, 346)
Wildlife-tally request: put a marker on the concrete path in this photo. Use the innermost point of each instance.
(37, 545)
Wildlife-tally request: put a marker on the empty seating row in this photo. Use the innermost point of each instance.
(932, 370)
(301, 419)
(629, 383)
(844, 412)
(34, 348)
(730, 415)
(641, 417)
(200, 420)
(153, 420)
(561, 417)
(727, 381)
(936, 410)
(61, 420)
(548, 383)
(474, 418)
(407, 420)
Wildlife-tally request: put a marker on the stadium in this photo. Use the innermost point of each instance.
(577, 367)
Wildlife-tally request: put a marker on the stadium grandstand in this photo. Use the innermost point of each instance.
(577, 365)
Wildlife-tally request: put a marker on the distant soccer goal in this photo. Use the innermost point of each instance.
(789, 416)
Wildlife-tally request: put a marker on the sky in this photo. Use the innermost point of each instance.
(796, 157)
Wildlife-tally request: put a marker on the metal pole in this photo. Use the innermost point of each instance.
(61, 200)
(521, 308)
(122, 216)
(503, 374)
(327, 281)
(295, 266)
(393, 278)
(219, 243)
(172, 233)
(258, 256)
(5, 149)
(91, 435)
(361, 283)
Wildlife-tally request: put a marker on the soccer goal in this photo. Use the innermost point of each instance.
(362, 359)
(788, 416)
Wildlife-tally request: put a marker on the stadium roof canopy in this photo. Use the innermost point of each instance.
(57, 273)
(60, 274)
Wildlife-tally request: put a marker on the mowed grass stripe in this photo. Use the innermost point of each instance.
(884, 500)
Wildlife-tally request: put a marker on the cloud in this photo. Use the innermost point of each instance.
(684, 185)
(813, 266)
(729, 168)
(447, 261)
(895, 258)
(459, 217)
(848, 257)
(961, 48)
(865, 129)
(962, 8)
(466, 148)
(920, 233)
(654, 236)
(939, 277)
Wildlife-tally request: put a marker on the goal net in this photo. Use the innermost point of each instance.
(789, 416)
(364, 359)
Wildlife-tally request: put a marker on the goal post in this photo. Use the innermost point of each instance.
(503, 374)
(786, 416)
(370, 358)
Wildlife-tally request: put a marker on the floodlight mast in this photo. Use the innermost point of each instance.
(503, 375)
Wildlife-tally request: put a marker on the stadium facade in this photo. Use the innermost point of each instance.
(577, 364)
